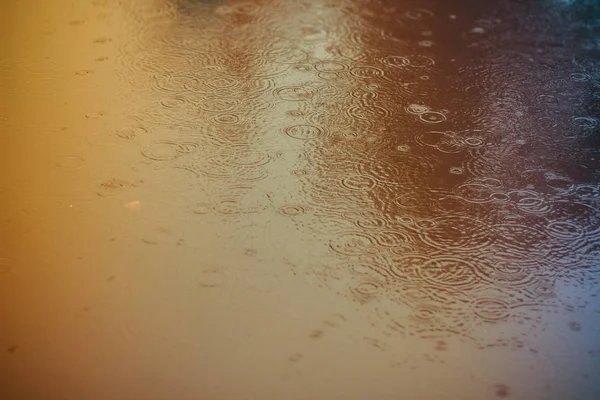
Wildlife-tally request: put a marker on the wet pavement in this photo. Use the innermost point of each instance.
(299, 199)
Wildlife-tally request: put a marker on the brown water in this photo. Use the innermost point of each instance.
(318, 199)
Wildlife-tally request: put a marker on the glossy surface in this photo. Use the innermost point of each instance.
(299, 199)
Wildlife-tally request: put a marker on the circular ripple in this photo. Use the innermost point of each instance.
(161, 151)
(450, 272)
(292, 210)
(174, 102)
(330, 66)
(241, 156)
(70, 162)
(432, 117)
(565, 230)
(295, 93)
(366, 72)
(425, 313)
(473, 192)
(368, 112)
(222, 82)
(176, 83)
(132, 133)
(359, 182)
(587, 192)
(418, 14)
(5, 265)
(512, 277)
(519, 238)
(584, 215)
(369, 288)
(257, 85)
(392, 238)
(227, 119)
(530, 202)
(287, 56)
(417, 109)
(404, 267)
(241, 200)
(544, 289)
(457, 233)
(368, 220)
(491, 309)
(353, 244)
(214, 103)
(200, 208)
(415, 61)
(212, 278)
(305, 132)
(583, 127)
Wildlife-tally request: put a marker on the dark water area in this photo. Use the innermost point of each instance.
(350, 199)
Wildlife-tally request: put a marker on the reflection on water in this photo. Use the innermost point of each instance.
(308, 200)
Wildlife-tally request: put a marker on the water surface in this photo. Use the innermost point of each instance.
(281, 199)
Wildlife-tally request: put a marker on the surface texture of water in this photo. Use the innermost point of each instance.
(286, 199)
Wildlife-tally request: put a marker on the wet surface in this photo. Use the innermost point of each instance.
(299, 200)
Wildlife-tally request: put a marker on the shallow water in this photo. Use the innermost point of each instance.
(299, 199)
